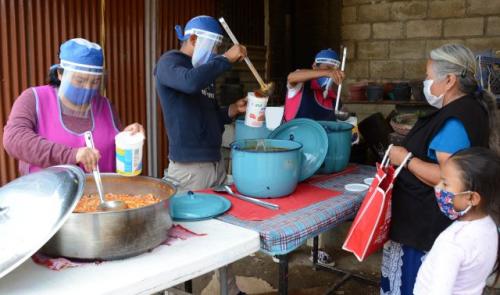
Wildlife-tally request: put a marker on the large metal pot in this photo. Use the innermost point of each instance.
(266, 168)
(243, 131)
(118, 234)
(339, 146)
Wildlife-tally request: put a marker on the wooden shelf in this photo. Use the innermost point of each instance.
(387, 102)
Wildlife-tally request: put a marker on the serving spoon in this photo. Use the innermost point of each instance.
(104, 205)
(226, 189)
(341, 115)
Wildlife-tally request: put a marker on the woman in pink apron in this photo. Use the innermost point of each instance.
(47, 123)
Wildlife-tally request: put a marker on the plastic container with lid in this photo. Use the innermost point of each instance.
(256, 107)
(129, 153)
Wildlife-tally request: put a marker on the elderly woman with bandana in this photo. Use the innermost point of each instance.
(464, 117)
(306, 88)
(47, 123)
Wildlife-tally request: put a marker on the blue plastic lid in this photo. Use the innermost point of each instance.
(313, 138)
(197, 206)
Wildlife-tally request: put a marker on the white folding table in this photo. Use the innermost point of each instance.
(164, 267)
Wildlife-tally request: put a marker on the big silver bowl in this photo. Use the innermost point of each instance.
(116, 234)
(33, 208)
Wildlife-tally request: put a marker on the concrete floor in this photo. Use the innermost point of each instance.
(258, 274)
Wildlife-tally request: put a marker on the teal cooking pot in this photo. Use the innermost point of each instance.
(339, 146)
(243, 131)
(266, 168)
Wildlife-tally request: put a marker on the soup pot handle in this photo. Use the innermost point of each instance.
(171, 180)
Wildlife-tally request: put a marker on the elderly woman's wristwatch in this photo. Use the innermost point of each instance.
(409, 160)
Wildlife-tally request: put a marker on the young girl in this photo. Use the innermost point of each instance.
(463, 255)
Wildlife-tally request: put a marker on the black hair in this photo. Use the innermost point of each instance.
(53, 76)
(480, 171)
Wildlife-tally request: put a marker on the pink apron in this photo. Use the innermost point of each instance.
(51, 127)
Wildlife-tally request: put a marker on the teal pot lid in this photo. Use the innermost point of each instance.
(313, 138)
(197, 206)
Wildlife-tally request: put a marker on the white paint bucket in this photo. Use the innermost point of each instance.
(129, 153)
(256, 107)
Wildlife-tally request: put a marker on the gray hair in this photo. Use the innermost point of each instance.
(458, 60)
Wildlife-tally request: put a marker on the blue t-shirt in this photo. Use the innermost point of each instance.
(450, 139)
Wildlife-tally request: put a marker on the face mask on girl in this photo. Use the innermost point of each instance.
(435, 101)
(445, 202)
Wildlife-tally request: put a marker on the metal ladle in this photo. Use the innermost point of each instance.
(265, 89)
(226, 189)
(341, 115)
(104, 205)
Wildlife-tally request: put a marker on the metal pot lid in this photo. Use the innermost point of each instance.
(33, 208)
(313, 138)
(197, 206)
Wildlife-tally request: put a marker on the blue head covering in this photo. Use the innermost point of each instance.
(206, 25)
(81, 55)
(327, 56)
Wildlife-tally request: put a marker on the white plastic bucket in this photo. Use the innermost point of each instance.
(256, 107)
(274, 117)
(129, 153)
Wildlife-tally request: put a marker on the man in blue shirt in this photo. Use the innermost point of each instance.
(185, 81)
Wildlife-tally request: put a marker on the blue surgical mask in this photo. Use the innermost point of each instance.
(79, 96)
(445, 202)
(322, 81)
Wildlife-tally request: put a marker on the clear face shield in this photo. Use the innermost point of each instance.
(79, 85)
(325, 64)
(207, 45)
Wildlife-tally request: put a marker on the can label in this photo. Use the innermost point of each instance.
(128, 161)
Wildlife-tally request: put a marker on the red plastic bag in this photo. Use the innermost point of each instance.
(369, 230)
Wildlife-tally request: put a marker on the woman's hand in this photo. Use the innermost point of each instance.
(239, 107)
(134, 128)
(337, 76)
(88, 158)
(397, 155)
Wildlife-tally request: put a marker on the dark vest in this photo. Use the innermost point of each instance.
(309, 107)
(416, 218)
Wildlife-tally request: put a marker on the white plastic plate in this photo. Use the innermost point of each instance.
(356, 187)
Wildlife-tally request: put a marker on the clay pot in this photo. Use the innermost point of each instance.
(374, 92)
(417, 90)
(388, 87)
(401, 91)
(357, 91)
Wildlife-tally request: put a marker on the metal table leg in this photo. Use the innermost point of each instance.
(223, 280)
(283, 274)
(346, 274)
(315, 251)
(188, 286)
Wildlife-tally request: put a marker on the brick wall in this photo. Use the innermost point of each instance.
(390, 40)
